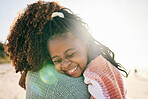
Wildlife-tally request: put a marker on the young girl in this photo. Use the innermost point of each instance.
(49, 31)
(71, 56)
(72, 49)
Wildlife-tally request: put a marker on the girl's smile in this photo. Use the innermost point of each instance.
(69, 54)
(72, 71)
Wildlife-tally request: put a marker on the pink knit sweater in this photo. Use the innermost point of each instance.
(105, 81)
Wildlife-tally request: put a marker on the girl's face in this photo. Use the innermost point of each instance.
(68, 54)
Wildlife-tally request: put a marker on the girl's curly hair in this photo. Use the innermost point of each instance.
(26, 43)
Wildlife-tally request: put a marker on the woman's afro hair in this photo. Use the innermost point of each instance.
(26, 43)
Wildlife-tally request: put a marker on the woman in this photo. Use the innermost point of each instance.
(27, 48)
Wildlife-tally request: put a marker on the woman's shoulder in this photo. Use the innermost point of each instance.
(49, 83)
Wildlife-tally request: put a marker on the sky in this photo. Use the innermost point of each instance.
(121, 25)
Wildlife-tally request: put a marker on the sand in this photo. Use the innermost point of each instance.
(9, 88)
(136, 84)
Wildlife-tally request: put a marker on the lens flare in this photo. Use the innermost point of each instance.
(36, 88)
(47, 74)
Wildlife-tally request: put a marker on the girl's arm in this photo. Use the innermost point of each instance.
(22, 81)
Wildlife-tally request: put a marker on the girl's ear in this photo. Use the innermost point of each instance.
(86, 45)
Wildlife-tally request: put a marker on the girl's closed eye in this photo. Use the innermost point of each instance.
(71, 55)
(57, 61)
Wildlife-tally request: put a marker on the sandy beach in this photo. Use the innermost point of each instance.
(136, 84)
(9, 88)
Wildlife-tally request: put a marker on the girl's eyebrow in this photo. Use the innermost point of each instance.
(69, 50)
(54, 57)
(64, 52)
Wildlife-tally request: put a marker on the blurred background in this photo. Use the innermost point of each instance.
(121, 25)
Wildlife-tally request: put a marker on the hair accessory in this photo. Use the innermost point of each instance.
(54, 14)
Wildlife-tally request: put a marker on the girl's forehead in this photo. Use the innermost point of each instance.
(60, 46)
(69, 40)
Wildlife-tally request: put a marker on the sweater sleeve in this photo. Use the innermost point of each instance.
(94, 88)
(104, 79)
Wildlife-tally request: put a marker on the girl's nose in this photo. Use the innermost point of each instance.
(65, 64)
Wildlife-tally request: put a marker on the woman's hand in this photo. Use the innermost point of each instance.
(22, 81)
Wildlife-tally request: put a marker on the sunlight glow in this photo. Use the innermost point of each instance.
(121, 26)
(48, 76)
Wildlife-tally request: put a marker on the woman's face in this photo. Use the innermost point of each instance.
(69, 54)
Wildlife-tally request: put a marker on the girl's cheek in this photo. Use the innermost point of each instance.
(58, 68)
